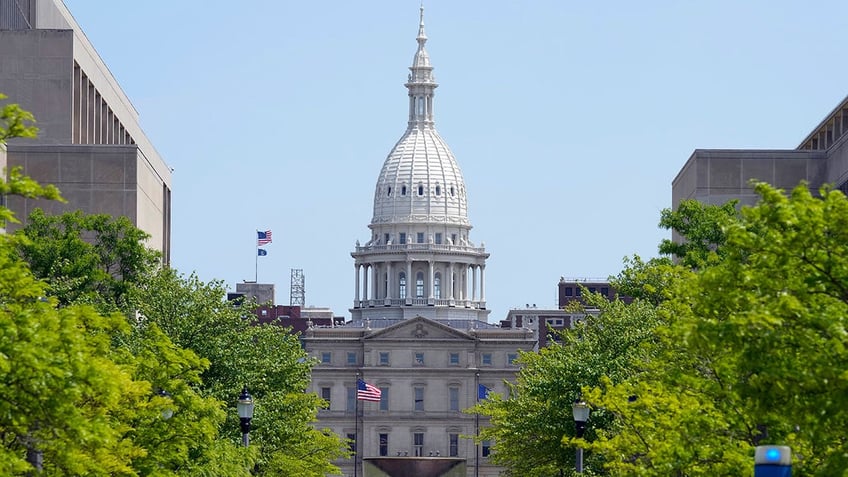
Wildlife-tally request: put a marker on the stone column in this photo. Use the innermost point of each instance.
(388, 282)
(431, 298)
(409, 282)
(375, 287)
(474, 282)
(365, 281)
(451, 280)
(356, 268)
(482, 283)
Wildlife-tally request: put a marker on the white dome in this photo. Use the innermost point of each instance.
(420, 182)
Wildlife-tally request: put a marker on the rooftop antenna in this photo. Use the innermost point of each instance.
(297, 296)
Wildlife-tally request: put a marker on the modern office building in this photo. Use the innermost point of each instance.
(419, 329)
(90, 144)
(715, 176)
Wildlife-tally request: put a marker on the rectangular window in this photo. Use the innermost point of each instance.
(453, 445)
(403, 237)
(351, 399)
(326, 357)
(384, 358)
(510, 358)
(419, 237)
(487, 448)
(568, 291)
(325, 395)
(351, 358)
(604, 291)
(487, 359)
(453, 399)
(578, 291)
(592, 289)
(418, 444)
(384, 445)
(386, 238)
(419, 399)
(384, 399)
(438, 238)
(454, 359)
(351, 441)
(453, 239)
(419, 359)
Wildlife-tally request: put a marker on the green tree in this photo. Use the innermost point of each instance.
(702, 228)
(94, 259)
(533, 426)
(753, 350)
(15, 122)
(268, 359)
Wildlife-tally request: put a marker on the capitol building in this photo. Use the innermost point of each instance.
(419, 330)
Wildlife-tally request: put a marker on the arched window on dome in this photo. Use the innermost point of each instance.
(389, 193)
(419, 285)
(438, 189)
(437, 286)
(402, 286)
(403, 190)
(453, 192)
(420, 189)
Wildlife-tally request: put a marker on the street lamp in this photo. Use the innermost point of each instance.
(245, 412)
(581, 414)
(167, 413)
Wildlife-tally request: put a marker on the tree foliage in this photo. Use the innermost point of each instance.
(701, 226)
(529, 425)
(752, 351)
(15, 122)
(268, 359)
(95, 259)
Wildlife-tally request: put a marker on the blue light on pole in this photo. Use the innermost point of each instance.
(772, 461)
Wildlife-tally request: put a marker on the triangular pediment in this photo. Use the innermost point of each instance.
(419, 329)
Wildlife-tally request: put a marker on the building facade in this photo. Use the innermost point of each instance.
(715, 176)
(90, 144)
(419, 329)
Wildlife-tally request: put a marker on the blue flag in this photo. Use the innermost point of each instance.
(261, 252)
(482, 392)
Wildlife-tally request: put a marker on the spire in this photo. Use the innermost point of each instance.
(421, 83)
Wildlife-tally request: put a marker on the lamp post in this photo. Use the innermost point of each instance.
(580, 411)
(245, 412)
(168, 412)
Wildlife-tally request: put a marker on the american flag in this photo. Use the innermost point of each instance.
(367, 392)
(263, 238)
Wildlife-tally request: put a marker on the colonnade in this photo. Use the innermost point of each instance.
(409, 283)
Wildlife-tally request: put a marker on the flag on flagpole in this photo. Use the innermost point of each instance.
(367, 392)
(263, 238)
(261, 252)
(482, 392)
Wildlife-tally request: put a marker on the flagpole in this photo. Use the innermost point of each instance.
(477, 427)
(256, 258)
(356, 430)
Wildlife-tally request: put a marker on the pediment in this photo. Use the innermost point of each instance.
(419, 329)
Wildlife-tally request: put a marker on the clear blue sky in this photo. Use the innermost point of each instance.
(569, 120)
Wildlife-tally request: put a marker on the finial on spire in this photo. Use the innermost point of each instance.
(421, 34)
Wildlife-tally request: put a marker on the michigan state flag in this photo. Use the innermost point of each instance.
(261, 252)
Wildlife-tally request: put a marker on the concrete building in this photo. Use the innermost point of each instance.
(419, 329)
(90, 144)
(715, 176)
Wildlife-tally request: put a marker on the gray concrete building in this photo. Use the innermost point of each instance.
(90, 144)
(419, 331)
(714, 176)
